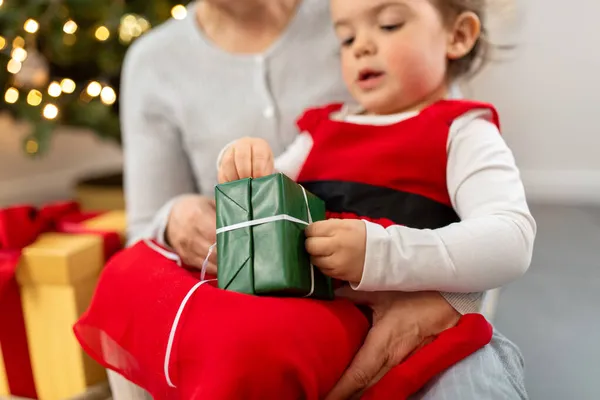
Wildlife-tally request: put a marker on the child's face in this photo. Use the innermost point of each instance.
(394, 52)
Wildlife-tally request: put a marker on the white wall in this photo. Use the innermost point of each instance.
(51, 177)
(548, 95)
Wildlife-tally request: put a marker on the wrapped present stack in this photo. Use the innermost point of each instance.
(260, 237)
(50, 260)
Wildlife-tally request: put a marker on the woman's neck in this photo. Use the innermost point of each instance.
(245, 26)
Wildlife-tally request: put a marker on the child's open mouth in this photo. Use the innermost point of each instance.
(369, 78)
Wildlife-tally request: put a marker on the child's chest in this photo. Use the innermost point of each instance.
(399, 156)
(396, 172)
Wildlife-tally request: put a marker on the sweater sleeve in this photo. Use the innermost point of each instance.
(490, 247)
(156, 169)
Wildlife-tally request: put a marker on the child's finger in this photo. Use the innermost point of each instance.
(228, 172)
(268, 168)
(325, 263)
(221, 176)
(321, 228)
(319, 246)
(243, 160)
(262, 161)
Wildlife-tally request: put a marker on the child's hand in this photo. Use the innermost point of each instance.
(337, 247)
(246, 158)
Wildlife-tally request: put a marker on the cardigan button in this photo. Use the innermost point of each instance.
(269, 112)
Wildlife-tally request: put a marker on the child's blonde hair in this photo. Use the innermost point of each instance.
(473, 61)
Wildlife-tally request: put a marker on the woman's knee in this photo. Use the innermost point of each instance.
(495, 372)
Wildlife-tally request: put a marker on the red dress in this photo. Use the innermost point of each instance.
(156, 324)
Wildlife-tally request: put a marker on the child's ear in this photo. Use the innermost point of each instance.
(463, 35)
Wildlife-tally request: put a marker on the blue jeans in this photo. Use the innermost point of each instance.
(495, 372)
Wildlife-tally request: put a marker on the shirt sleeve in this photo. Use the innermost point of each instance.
(156, 169)
(289, 162)
(490, 247)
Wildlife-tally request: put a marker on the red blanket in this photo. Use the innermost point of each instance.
(230, 346)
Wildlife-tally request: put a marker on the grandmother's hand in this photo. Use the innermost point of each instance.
(191, 230)
(402, 323)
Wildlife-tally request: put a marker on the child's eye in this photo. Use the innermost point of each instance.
(347, 42)
(391, 27)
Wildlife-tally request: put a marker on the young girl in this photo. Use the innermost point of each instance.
(406, 155)
(422, 194)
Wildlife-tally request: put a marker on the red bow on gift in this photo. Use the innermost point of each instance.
(19, 227)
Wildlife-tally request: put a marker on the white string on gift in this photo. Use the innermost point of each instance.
(261, 221)
(174, 257)
(312, 267)
(205, 262)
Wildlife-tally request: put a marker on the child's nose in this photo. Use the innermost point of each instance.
(364, 46)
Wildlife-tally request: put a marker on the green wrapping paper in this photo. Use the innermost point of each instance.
(268, 258)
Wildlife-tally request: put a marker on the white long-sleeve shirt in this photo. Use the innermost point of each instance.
(491, 246)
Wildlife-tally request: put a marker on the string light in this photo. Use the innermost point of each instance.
(11, 96)
(70, 27)
(129, 19)
(54, 89)
(31, 26)
(50, 111)
(179, 12)
(108, 96)
(102, 33)
(18, 42)
(19, 54)
(34, 98)
(132, 26)
(94, 89)
(128, 23)
(144, 24)
(14, 66)
(125, 37)
(67, 86)
(31, 146)
(2, 43)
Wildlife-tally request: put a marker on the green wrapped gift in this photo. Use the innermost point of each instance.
(260, 238)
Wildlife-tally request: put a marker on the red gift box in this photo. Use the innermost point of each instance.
(21, 227)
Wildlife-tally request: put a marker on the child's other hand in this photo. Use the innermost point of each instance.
(337, 247)
(246, 158)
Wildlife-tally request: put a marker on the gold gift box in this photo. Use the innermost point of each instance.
(58, 275)
(104, 193)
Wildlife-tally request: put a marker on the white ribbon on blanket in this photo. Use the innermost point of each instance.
(174, 329)
(174, 257)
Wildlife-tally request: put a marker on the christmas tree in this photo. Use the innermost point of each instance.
(60, 60)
